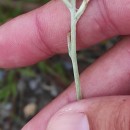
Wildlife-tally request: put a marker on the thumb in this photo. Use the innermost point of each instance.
(104, 113)
(69, 120)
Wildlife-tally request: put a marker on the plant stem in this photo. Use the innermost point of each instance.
(75, 16)
(73, 55)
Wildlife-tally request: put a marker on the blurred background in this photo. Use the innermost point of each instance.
(25, 91)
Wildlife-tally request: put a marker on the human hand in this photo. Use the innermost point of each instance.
(42, 33)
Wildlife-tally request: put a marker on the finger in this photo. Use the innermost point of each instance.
(109, 75)
(42, 33)
(106, 113)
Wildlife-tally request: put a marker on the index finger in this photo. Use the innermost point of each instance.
(41, 33)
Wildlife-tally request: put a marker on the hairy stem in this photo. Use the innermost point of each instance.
(71, 38)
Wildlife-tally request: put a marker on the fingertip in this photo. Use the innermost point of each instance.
(69, 120)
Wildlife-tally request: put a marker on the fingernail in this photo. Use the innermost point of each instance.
(69, 121)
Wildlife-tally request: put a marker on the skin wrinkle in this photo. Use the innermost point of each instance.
(113, 25)
(109, 29)
(98, 115)
(117, 115)
(114, 119)
(79, 35)
(46, 49)
(126, 118)
(20, 46)
(95, 18)
(123, 120)
(118, 12)
(93, 122)
(52, 32)
(106, 17)
(104, 20)
(101, 29)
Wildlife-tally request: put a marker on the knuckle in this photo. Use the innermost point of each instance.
(106, 18)
(110, 115)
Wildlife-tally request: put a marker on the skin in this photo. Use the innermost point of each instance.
(42, 33)
(108, 113)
